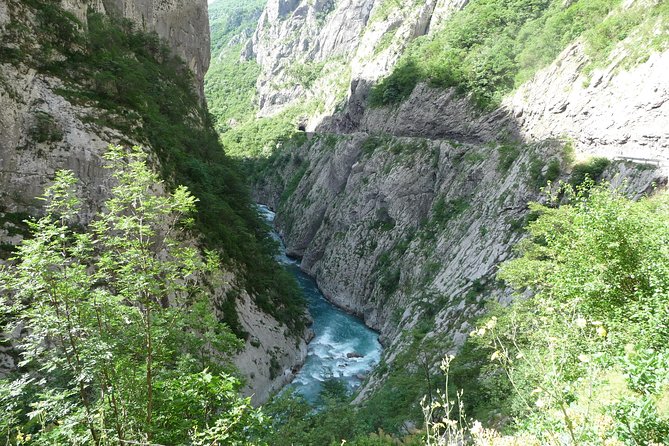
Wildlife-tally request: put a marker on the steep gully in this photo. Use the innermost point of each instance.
(343, 347)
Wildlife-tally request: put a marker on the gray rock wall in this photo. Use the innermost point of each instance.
(355, 43)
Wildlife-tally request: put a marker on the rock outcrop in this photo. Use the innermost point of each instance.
(303, 36)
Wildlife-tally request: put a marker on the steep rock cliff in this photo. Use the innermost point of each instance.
(319, 50)
(183, 24)
(52, 119)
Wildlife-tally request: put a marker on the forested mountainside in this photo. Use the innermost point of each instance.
(76, 76)
(402, 145)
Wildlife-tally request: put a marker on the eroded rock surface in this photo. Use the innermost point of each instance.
(403, 213)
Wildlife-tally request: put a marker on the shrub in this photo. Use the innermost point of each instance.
(537, 178)
(584, 347)
(592, 169)
(444, 211)
(508, 153)
(396, 88)
(45, 128)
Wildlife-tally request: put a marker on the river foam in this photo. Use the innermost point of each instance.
(343, 347)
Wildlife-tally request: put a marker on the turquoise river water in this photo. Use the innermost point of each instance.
(343, 347)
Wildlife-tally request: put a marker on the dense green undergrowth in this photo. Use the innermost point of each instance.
(146, 93)
(229, 19)
(103, 359)
(492, 46)
(260, 137)
(230, 82)
(230, 87)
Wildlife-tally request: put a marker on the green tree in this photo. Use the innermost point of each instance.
(584, 347)
(119, 339)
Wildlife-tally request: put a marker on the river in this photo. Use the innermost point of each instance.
(343, 347)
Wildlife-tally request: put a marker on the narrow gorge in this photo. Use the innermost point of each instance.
(342, 348)
(327, 222)
(401, 143)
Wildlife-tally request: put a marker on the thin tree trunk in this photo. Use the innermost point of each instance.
(149, 376)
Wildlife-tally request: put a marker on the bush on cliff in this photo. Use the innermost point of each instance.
(492, 46)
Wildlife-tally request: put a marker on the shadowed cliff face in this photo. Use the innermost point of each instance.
(183, 24)
(48, 128)
(29, 102)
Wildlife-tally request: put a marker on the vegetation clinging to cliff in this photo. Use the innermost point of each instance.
(580, 357)
(492, 46)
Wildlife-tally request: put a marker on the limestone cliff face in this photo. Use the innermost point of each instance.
(41, 132)
(403, 213)
(183, 24)
(409, 235)
(610, 112)
(29, 101)
(316, 35)
(344, 45)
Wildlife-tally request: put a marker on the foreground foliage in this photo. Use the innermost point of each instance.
(585, 357)
(118, 339)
